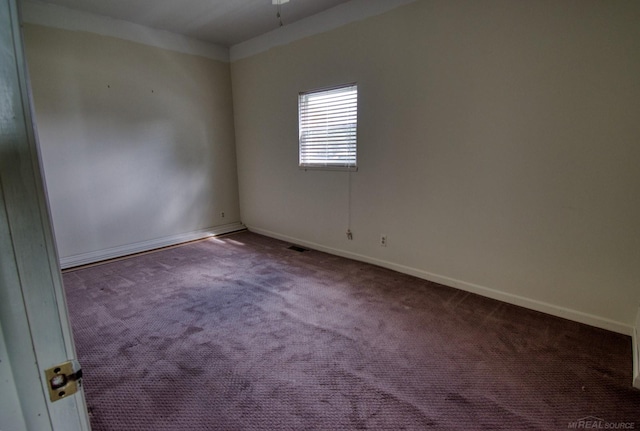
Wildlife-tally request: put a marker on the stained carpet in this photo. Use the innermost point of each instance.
(243, 333)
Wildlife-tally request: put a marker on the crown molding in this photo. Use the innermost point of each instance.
(69, 19)
(355, 10)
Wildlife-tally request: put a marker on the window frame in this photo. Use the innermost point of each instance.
(327, 164)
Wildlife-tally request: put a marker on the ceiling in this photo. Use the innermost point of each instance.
(223, 22)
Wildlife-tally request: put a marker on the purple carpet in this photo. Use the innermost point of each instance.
(243, 333)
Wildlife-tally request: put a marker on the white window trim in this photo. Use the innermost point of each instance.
(349, 118)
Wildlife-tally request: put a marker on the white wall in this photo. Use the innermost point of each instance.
(498, 149)
(137, 141)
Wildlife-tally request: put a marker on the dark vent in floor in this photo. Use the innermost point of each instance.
(297, 248)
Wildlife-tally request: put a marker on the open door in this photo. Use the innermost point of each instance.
(36, 343)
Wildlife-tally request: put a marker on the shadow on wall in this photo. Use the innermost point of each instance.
(137, 142)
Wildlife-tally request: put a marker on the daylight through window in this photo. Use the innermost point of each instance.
(328, 123)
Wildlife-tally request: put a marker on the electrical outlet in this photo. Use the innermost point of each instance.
(349, 235)
(222, 214)
(383, 240)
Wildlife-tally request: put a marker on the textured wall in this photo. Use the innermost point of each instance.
(498, 149)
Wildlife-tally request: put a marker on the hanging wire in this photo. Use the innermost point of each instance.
(279, 15)
(349, 203)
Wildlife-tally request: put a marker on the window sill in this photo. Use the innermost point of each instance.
(329, 168)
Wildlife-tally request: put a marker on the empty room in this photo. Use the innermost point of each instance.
(320, 214)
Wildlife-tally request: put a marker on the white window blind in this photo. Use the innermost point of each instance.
(328, 123)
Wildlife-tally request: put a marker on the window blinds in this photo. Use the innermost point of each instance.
(328, 121)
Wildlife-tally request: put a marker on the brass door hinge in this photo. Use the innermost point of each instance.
(63, 379)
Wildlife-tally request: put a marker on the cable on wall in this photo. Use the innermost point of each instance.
(349, 233)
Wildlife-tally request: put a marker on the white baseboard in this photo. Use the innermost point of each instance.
(636, 352)
(554, 310)
(139, 247)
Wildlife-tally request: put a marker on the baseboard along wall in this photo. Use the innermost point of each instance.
(139, 247)
(116, 252)
(532, 304)
(488, 292)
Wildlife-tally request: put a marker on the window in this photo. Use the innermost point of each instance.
(328, 123)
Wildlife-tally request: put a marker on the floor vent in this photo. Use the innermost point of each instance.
(297, 248)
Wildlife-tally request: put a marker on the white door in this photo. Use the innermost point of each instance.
(34, 329)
